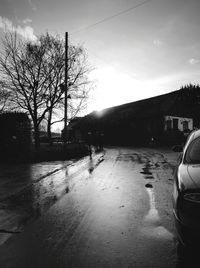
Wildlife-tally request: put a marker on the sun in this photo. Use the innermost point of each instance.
(113, 88)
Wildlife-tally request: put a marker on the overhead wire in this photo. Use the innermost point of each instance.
(110, 17)
(107, 19)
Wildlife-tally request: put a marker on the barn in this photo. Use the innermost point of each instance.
(163, 119)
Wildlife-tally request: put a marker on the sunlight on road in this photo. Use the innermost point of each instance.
(152, 221)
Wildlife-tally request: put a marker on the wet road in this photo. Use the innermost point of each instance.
(112, 211)
(27, 191)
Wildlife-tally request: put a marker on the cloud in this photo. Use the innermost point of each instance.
(193, 61)
(25, 21)
(32, 5)
(26, 32)
(157, 42)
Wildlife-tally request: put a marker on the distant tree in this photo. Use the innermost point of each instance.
(191, 93)
(190, 86)
(33, 72)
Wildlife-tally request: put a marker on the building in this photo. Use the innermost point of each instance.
(178, 123)
(163, 119)
(15, 136)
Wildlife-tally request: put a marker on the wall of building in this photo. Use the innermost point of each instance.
(15, 136)
(182, 123)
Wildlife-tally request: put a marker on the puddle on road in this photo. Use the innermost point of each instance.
(148, 185)
(91, 169)
(146, 172)
(152, 215)
(67, 190)
(152, 222)
(149, 177)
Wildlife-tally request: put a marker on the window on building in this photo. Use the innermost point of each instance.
(185, 125)
(175, 124)
(169, 124)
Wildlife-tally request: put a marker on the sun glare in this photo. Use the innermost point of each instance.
(114, 88)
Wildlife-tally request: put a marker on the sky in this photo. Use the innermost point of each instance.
(138, 48)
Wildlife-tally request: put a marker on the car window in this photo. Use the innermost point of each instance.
(192, 155)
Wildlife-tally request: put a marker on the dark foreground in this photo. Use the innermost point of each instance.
(112, 211)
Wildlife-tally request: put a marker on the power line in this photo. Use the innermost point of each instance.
(111, 17)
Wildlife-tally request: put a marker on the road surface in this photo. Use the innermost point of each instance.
(112, 211)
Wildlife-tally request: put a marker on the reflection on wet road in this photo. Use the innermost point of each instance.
(152, 221)
(27, 191)
(112, 212)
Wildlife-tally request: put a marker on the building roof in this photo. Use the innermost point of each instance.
(169, 104)
(176, 103)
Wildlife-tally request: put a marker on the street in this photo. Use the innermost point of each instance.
(114, 210)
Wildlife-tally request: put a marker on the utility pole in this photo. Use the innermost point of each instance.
(66, 87)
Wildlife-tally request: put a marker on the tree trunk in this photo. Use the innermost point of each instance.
(36, 135)
(49, 129)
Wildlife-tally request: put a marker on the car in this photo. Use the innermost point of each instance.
(186, 191)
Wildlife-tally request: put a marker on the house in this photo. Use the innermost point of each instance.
(74, 133)
(177, 123)
(164, 118)
(15, 135)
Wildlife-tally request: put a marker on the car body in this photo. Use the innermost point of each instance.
(186, 191)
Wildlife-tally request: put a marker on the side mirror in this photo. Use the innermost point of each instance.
(177, 148)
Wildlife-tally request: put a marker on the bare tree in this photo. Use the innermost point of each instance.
(25, 70)
(78, 83)
(4, 98)
(34, 72)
